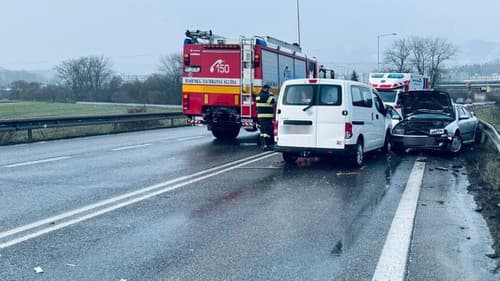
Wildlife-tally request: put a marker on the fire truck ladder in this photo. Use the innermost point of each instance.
(247, 75)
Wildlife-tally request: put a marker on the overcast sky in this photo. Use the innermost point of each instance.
(38, 34)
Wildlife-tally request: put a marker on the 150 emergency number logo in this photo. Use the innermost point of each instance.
(220, 67)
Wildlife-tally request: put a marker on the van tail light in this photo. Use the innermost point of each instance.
(348, 130)
(186, 59)
(185, 101)
(275, 124)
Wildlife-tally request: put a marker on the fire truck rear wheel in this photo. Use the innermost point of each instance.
(226, 132)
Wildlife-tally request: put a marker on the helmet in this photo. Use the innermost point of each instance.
(266, 87)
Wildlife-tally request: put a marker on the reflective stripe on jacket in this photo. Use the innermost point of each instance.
(265, 103)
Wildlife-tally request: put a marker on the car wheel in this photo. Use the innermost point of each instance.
(478, 136)
(455, 144)
(289, 157)
(358, 157)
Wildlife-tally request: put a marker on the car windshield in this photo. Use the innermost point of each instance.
(388, 96)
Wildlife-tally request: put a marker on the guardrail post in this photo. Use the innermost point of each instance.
(30, 135)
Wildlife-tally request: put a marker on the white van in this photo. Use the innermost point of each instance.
(321, 117)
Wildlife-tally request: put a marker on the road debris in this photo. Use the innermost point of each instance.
(337, 250)
(38, 269)
(440, 202)
(70, 265)
(362, 168)
(441, 168)
(346, 173)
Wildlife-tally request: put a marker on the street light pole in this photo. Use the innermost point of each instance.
(298, 21)
(378, 46)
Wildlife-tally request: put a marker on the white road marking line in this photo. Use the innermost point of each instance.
(37, 162)
(190, 138)
(121, 197)
(129, 202)
(131, 147)
(394, 257)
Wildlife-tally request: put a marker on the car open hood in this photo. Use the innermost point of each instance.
(415, 102)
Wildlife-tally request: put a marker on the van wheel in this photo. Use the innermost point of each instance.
(387, 143)
(289, 157)
(358, 157)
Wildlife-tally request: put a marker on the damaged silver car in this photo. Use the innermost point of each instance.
(432, 121)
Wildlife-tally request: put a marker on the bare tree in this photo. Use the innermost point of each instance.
(398, 56)
(86, 75)
(439, 50)
(425, 55)
(171, 69)
(420, 53)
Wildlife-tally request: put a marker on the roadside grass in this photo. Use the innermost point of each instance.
(485, 162)
(21, 110)
(490, 114)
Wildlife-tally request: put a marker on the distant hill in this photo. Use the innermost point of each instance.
(9, 76)
(477, 52)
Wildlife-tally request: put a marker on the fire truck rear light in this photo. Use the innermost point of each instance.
(186, 59)
(313, 81)
(348, 130)
(256, 60)
(185, 101)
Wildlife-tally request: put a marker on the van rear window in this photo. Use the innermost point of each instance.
(312, 94)
(299, 94)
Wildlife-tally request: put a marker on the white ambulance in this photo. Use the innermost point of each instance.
(328, 117)
(389, 85)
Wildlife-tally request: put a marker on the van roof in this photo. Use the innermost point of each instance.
(323, 81)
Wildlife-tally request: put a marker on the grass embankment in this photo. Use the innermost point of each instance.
(485, 162)
(488, 113)
(23, 110)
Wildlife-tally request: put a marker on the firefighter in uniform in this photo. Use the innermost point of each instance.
(265, 115)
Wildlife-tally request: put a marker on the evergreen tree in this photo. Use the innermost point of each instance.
(354, 76)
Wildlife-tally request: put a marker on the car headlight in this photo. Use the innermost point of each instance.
(398, 130)
(436, 131)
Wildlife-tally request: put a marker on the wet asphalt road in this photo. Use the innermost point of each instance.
(318, 220)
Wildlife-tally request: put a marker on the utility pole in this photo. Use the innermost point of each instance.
(378, 47)
(298, 21)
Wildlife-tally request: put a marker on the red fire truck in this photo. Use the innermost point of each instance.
(222, 76)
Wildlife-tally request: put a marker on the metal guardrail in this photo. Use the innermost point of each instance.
(58, 122)
(491, 132)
